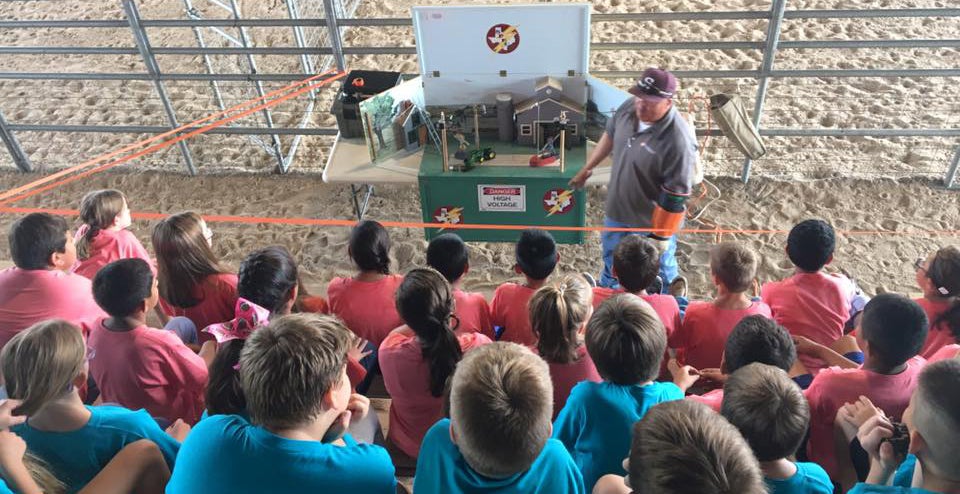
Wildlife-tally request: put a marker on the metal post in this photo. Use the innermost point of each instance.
(143, 45)
(13, 146)
(267, 115)
(952, 171)
(293, 10)
(769, 54)
(333, 29)
(193, 14)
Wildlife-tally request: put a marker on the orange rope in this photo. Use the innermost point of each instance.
(164, 144)
(214, 218)
(89, 163)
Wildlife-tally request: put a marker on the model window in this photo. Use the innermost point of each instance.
(526, 129)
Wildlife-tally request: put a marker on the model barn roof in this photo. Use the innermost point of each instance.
(559, 99)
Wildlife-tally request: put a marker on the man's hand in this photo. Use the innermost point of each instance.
(713, 374)
(580, 179)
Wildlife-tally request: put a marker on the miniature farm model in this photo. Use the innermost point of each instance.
(493, 129)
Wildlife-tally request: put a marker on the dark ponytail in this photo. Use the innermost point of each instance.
(944, 273)
(425, 303)
(370, 247)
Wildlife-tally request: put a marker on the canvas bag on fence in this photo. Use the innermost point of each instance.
(733, 120)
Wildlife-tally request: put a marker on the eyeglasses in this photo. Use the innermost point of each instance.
(919, 264)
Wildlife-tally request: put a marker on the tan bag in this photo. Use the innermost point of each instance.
(733, 120)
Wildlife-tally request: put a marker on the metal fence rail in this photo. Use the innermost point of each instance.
(335, 18)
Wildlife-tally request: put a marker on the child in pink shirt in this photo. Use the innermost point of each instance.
(536, 257)
(365, 302)
(636, 263)
(418, 357)
(135, 365)
(891, 331)
(559, 313)
(700, 339)
(103, 237)
(812, 303)
(39, 286)
(448, 254)
(755, 339)
(192, 282)
(939, 278)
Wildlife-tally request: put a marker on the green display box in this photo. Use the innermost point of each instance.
(494, 194)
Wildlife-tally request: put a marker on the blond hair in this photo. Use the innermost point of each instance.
(557, 312)
(288, 366)
(768, 408)
(626, 340)
(936, 416)
(735, 265)
(501, 401)
(40, 363)
(98, 210)
(42, 475)
(683, 446)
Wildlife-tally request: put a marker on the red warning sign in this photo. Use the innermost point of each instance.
(503, 38)
(558, 201)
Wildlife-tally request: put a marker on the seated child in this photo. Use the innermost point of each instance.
(772, 414)
(268, 285)
(137, 366)
(681, 447)
(103, 237)
(418, 357)
(559, 313)
(699, 341)
(537, 257)
(812, 303)
(891, 331)
(497, 438)
(636, 262)
(192, 282)
(933, 422)
(137, 469)
(448, 254)
(39, 286)
(755, 339)
(939, 278)
(294, 376)
(44, 366)
(626, 341)
(365, 302)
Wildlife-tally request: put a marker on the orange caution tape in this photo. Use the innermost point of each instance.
(256, 220)
(219, 123)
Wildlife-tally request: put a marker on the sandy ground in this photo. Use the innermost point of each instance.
(879, 262)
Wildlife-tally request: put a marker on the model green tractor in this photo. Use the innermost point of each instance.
(477, 156)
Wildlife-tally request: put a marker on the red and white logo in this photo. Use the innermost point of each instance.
(450, 215)
(503, 38)
(558, 201)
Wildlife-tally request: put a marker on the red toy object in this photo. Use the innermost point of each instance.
(543, 159)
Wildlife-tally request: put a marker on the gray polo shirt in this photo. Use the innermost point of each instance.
(662, 156)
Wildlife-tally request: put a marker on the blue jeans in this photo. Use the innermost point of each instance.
(609, 240)
(184, 328)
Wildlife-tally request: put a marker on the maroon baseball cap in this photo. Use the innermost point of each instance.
(654, 85)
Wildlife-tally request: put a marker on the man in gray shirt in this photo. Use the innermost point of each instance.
(654, 156)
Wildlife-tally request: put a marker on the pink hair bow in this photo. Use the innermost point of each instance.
(248, 316)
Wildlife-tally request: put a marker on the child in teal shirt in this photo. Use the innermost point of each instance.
(43, 367)
(497, 439)
(293, 373)
(626, 341)
(769, 409)
(933, 421)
